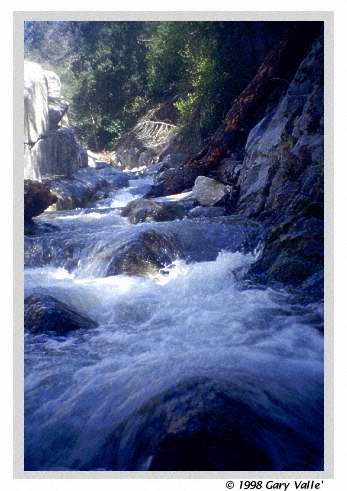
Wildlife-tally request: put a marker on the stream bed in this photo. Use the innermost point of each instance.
(197, 319)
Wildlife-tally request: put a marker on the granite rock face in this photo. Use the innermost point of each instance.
(35, 102)
(58, 154)
(50, 148)
(281, 181)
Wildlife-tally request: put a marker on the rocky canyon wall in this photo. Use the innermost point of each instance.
(50, 147)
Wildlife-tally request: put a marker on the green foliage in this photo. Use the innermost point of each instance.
(113, 71)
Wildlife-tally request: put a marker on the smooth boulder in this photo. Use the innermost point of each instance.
(148, 252)
(206, 425)
(209, 192)
(147, 210)
(44, 313)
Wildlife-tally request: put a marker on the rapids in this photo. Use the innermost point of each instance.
(197, 317)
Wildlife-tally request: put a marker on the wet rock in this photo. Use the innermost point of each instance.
(146, 210)
(115, 178)
(282, 178)
(202, 424)
(85, 186)
(293, 251)
(207, 211)
(37, 198)
(148, 252)
(44, 313)
(209, 192)
(173, 181)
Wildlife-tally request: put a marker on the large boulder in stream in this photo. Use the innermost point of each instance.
(44, 313)
(148, 252)
(37, 197)
(147, 210)
(206, 425)
(85, 186)
(172, 181)
(209, 192)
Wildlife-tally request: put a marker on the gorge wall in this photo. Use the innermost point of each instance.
(269, 151)
(50, 148)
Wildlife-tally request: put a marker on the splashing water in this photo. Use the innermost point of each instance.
(191, 319)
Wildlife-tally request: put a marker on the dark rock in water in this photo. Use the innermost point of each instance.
(150, 251)
(37, 197)
(207, 211)
(115, 178)
(203, 424)
(44, 313)
(172, 181)
(209, 192)
(36, 228)
(293, 251)
(146, 210)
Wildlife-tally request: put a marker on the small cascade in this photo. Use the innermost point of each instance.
(198, 317)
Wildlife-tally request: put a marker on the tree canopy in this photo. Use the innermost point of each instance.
(112, 72)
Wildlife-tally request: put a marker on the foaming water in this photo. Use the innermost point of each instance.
(153, 332)
(192, 319)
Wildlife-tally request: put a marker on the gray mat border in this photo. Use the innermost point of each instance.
(18, 240)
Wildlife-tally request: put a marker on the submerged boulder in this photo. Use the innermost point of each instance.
(209, 192)
(148, 252)
(146, 210)
(37, 197)
(203, 424)
(44, 313)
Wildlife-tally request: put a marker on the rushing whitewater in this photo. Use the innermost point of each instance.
(198, 317)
